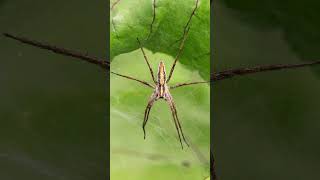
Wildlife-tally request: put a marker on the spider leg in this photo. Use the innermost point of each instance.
(179, 54)
(188, 83)
(152, 99)
(184, 37)
(134, 79)
(175, 118)
(146, 59)
(146, 117)
(176, 125)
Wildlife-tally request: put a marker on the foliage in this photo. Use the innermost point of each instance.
(132, 19)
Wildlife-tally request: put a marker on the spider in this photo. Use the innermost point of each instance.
(162, 89)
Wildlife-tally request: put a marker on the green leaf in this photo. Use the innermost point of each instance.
(133, 19)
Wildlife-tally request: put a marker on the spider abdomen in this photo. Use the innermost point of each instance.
(161, 73)
(161, 83)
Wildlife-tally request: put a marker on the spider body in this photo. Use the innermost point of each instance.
(161, 87)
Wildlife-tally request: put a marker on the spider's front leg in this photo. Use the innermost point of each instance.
(152, 99)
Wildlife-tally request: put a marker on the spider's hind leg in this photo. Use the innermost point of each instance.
(152, 99)
(176, 125)
(173, 109)
(176, 114)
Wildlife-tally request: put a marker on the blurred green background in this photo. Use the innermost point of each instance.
(53, 109)
(266, 126)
